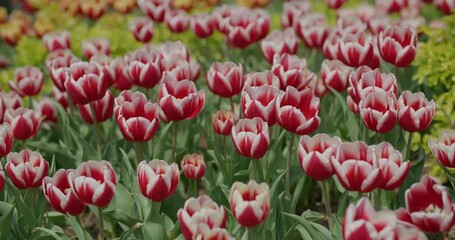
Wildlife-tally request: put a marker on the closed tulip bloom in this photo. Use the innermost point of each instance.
(379, 23)
(355, 50)
(200, 215)
(154, 9)
(398, 45)
(157, 179)
(312, 29)
(26, 169)
(29, 81)
(415, 112)
(394, 169)
(428, 206)
(379, 111)
(93, 182)
(119, 68)
(57, 40)
(193, 166)
(225, 79)
(318, 87)
(24, 122)
(87, 82)
(179, 100)
(279, 42)
(334, 4)
(60, 97)
(177, 21)
(142, 29)
(58, 193)
(223, 121)
(6, 139)
(103, 109)
(391, 5)
(315, 155)
(242, 29)
(257, 79)
(204, 233)
(446, 6)
(352, 24)
(330, 46)
(59, 69)
(291, 71)
(203, 25)
(171, 53)
(92, 9)
(444, 148)
(144, 68)
(292, 10)
(47, 110)
(356, 166)
(335, 74)
(361, 221)
(251, 137)
(137, 118)
(96, 46)
(185, 70)
(260, 102)
(250, 203)
(298, 112)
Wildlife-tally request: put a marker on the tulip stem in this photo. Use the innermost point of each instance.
(139, 154)
(254, 169)
(230, 168)
(326, 199)
(250, 233)
(101, 224)
(97, 132)
(192, 191)
(232, 105)
(174, 141)
(408, 147)
(30, 104)
(377, 200)
(288, 168)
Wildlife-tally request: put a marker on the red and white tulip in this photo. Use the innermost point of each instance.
(193, 166)
(24, 122)
(444, 148)
(157, 179)
(26, 169)
(225, 79)
(29, 81)
(398, 45)
(415, 112)
(251, 137)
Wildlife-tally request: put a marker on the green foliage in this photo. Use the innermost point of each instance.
(30, 51)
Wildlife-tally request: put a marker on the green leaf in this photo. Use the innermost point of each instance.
(23, 208)
(48, 231)
(125, 235)
(78, 230)
(6, 212)
(298, 191)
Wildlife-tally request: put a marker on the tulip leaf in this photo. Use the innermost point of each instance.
(303, 232)
(297, 191)
(126, 234)
(316, 231)
(312, 216)
(78, 230)
(6, 212)
(48, 231)
(26, 212)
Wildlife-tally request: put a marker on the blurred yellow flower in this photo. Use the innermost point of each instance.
(124, 6)
(253, 3)
(3, 14)
(182, 4)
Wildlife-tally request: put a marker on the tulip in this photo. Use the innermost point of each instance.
(379, 23)
(312, 29)
(428, 206)
(193, 166)
(225, 79)
(415, 112)
(379, 111)
(2, 178)
(335, 74)
(144, 68)
(444, 148)
(47, 110)
(171, 53)
(250, 203)
(60, 97)
(298, 112)
(223, 121)
(58, 193)
(355, 50)
(330, 46)
(257, 79)
(203, 25)
(246, 27)
(92, 9)
(292, 10)
(154, 9)
(260, 102)
(157, 179)
(279, 42)
(177, 21)
(204, 233)
(11, 100)
(315, 155)
(137, 118)
(142, 29)
(87, 82)
(391, 5)
(2, 108)
(200, 211)
(398, 45)
(102, 109)
(318, 87)
(356, 167)
(291, 71)
(186, 70)
(124, 6)
(394, 170)
(29, 81)
(446, 6)
(352, 24)
(251, 137)
(6, 141)
(57, 40)
(119, 72)
(59, 69)
(334, 4)
(26, 169)
(23, 121)
(96, 46)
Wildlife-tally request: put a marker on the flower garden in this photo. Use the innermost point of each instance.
(213, 120)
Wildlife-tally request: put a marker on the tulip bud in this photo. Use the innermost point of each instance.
(398, 45)
(225, 79)
(335, 74)
(93, 182)
(315, 155)
(155, 9)
(29, 81)
(379, 111)
(355, 50)
(292, 10)
(96, 46)
(58, 193)
(251, 137)
(444, 148)
(6, 140)
(394, 169)
(193, 166)
(279, 42)
(177, 21)
(60, 97)
(102, 109)
(142, 29)
(47, 110)
(260, 102)
(59, 69)
(157, 179)
(415, 112)
(26, 169)
(24, 122)
(144, 68)
(203, 25)
(223, 121)
(334, 4)
(57, 40)
(250, 203)
(312, 29)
